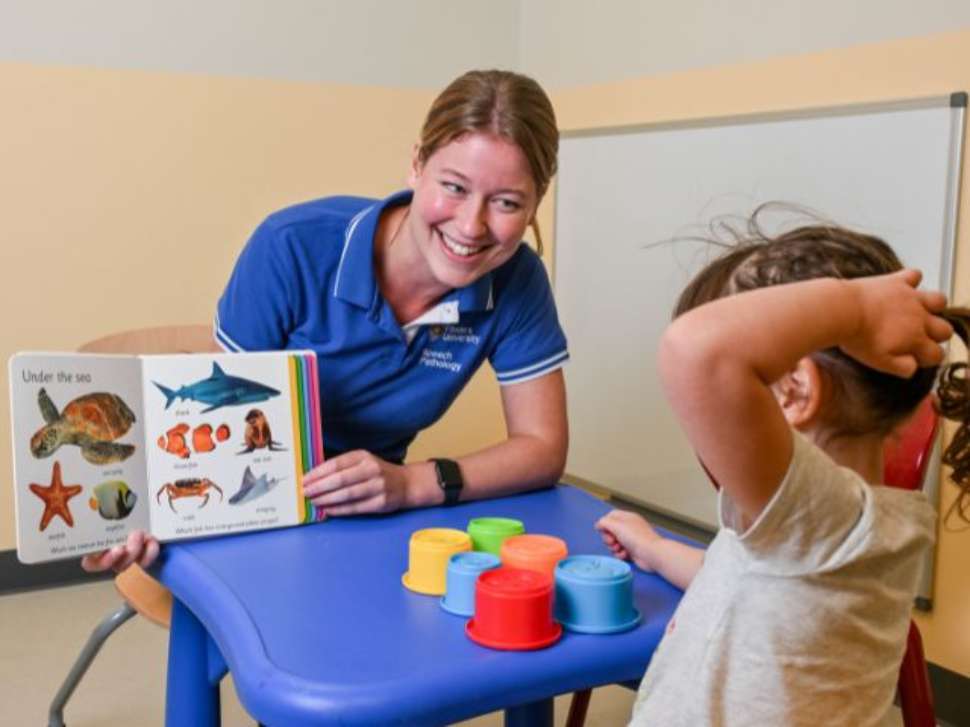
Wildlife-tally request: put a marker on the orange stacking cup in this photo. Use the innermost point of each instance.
(533, 552)
(428, 554)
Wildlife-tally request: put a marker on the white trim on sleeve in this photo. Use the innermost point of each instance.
(534, 371)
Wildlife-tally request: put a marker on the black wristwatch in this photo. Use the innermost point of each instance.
(449, 479)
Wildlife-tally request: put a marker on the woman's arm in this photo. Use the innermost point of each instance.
(533, 455)
(718, 362)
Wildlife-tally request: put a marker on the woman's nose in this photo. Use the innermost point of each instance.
(471, 218)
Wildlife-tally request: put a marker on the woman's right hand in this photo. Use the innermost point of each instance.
(140, 547)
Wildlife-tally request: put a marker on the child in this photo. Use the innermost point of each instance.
(789, 362)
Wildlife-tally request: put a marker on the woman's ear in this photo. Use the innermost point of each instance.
(800, 394)
(414, 172)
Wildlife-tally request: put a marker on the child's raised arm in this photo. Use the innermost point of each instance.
(730, 367)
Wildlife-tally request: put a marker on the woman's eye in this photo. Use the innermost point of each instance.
(453, 187)
(508, 205)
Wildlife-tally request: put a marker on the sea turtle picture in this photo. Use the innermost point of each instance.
(92, 422)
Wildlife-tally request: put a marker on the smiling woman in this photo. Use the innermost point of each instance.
(404, 298)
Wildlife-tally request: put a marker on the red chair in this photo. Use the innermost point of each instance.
(905, 459)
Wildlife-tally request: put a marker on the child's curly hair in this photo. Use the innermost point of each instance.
(863, 400)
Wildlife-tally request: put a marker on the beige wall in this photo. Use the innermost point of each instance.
(565, 43)
(411, 43)
(127, 195)
(935, 65)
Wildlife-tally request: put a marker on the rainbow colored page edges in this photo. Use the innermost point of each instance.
(183, 446)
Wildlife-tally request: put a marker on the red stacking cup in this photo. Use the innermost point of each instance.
(513, 610)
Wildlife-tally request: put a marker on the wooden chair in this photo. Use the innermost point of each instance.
(905, 459)
(140, 592)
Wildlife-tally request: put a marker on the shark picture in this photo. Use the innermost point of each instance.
(219, 390)
(252, 487)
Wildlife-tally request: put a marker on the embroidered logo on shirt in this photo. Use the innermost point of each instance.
(460, 334)
(440, 360)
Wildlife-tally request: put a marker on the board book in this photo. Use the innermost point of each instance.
(181, 446)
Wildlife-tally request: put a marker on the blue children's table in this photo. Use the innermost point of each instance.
(316, 628)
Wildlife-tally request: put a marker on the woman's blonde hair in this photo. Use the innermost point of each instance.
(502, 103)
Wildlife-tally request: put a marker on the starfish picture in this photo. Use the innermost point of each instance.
(55, 498)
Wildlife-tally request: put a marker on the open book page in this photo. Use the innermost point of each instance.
(224, 443)
(78, 453)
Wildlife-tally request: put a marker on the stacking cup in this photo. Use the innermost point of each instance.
(533, 552)
(460, 577)
(513, 610)
(594, 594)
(488, 533)
(428, 554)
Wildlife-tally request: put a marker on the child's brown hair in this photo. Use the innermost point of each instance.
(863, 400)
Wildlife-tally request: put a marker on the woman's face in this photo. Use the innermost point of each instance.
(473, 199)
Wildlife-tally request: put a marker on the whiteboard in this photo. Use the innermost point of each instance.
(890, 169)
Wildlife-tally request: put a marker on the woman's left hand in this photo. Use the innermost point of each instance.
(356, 482)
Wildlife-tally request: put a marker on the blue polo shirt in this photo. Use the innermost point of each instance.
(305, 280)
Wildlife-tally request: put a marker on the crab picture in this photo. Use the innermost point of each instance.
(188, 487)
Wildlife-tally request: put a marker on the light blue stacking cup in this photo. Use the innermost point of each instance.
(462, 572)
(594, 594)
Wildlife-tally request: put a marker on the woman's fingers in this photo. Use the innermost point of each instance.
(150, 554)
(344, 495)
(105, 560)
(342, 476)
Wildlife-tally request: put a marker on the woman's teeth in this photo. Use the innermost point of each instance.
(457, 247)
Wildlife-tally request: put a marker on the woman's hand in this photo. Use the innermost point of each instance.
(629, 537)
(357, 482)
(140, 547)
(899, 328)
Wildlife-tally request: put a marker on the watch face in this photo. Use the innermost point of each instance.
(449, 479)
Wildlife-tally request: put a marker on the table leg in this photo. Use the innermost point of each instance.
(534, 714)
(190, 698)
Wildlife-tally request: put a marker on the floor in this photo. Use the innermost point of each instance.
(41, 633)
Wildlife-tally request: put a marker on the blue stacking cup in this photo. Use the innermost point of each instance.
(594, 594)
(462, 572)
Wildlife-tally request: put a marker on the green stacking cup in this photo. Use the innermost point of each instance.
(488, 533)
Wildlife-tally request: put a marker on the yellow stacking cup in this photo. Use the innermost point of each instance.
(428, 554)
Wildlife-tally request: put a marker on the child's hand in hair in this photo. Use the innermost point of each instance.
(899, 329)
(629, 537)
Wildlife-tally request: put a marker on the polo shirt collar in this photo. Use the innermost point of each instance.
(356, 282)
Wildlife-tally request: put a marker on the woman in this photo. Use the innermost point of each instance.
(403, 299)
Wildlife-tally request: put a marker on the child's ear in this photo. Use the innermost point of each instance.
(414, 172)
(800, 393)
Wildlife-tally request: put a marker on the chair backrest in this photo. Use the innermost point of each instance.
(146, 595)
(906, 456)
(193, 338)
(905, 459)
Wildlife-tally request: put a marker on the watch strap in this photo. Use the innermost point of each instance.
(449, 479)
